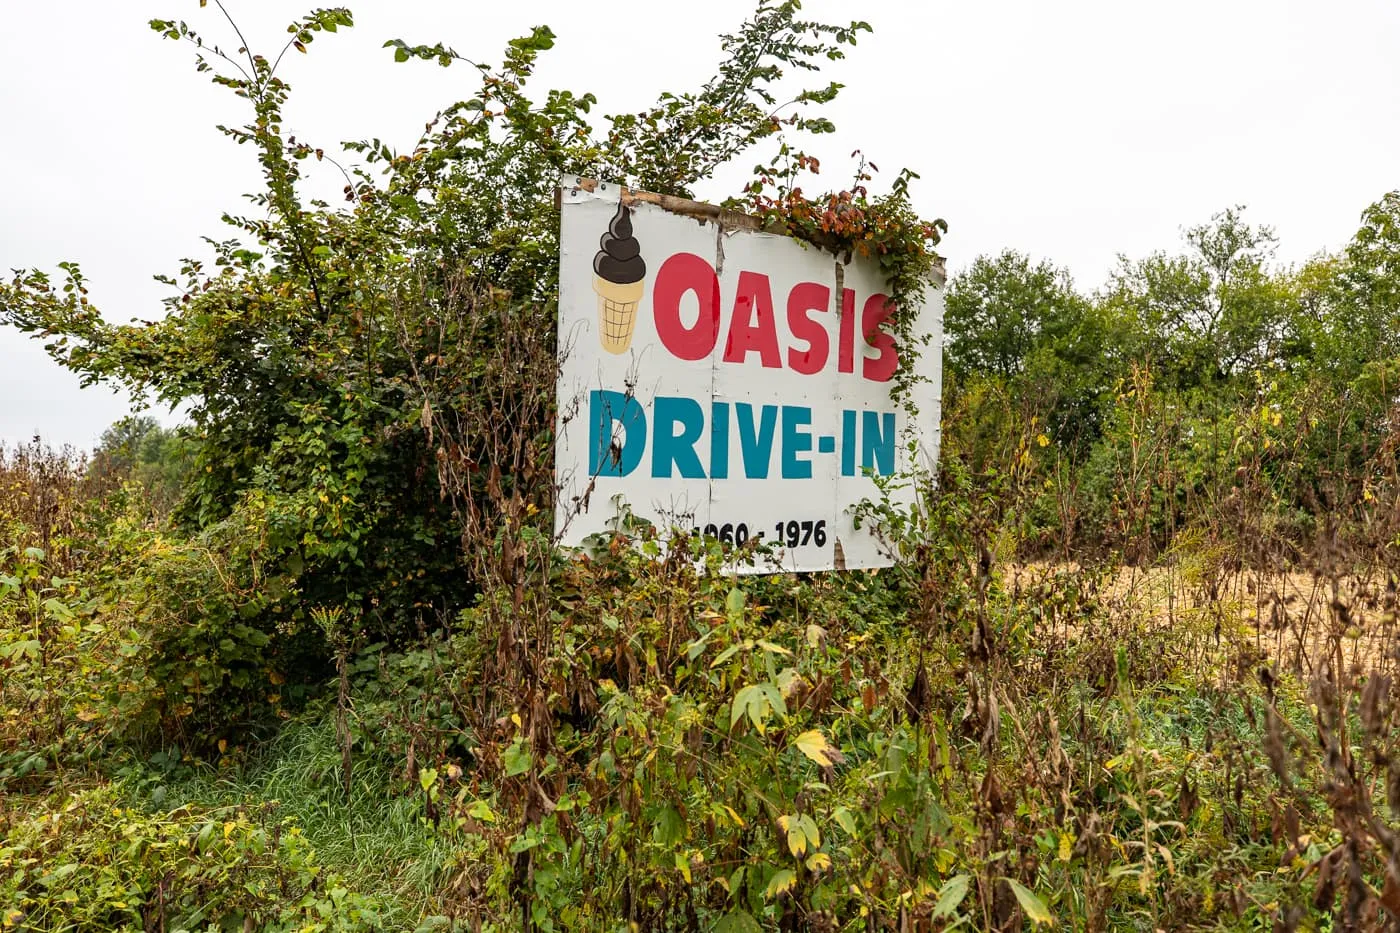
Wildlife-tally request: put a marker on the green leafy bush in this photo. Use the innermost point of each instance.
(86, 860)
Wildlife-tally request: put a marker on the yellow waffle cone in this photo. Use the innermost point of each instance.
(617, 312)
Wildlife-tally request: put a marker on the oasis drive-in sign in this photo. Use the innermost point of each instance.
(730, 382)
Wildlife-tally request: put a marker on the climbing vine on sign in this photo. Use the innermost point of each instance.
(852, 223)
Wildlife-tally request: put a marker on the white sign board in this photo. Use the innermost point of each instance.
(720, 380)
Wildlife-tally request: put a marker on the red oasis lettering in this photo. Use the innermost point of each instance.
(878, 309)
(681, 273)
(804, 298)
(753, 326)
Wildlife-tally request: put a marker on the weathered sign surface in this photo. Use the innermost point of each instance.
(721, 380)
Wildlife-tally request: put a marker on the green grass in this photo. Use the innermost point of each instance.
(378, 840)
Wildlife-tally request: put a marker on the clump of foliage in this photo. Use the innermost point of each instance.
(315, 660)
(138, 450)
(88, 861)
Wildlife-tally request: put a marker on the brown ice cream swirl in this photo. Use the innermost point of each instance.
(619, 258)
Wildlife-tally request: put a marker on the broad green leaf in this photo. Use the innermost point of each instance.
(59, 873)
(740, 705)
(814, 745)
(697, 647)
(950, 896)
(809, 829)
(734, 602)
(737, 921)
(728, 653)
(755, 700)
(670, 828)
(516, 758)
(735, 881)
(774, 697)
(788, 681)
(802, 833)
(796, 838)
(1033, 906)
(781, 882)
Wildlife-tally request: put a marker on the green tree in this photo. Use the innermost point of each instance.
(1212, 312)
(1021, 328)
(1000, 310)
(1357, 305)
(140, 449)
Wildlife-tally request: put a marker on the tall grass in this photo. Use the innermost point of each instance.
(377, 838)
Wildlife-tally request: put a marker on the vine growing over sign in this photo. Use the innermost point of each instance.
(852, 223)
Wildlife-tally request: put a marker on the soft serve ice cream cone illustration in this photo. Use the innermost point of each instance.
(618, 279)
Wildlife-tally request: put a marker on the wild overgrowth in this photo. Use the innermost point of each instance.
(86, 860)
(316, 662)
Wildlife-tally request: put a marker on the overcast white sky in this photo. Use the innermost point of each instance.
(1069, 130)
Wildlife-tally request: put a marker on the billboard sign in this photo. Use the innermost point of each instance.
(723, 380)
